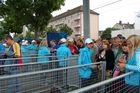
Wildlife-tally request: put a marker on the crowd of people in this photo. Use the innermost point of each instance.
(121, 55)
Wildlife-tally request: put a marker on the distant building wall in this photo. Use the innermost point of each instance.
(94, 26)
(74, 19)
(126, 32)
(121, 25)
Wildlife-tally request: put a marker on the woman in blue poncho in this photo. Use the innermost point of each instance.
(84, 57)
(133, 65)
(43, 52)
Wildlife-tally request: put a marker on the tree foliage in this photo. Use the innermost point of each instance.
(12, 25)
(2, 32)
(66, 29)
(35, 13)
(63, 28)
(29, 35)
(50, 29)
(106, 34)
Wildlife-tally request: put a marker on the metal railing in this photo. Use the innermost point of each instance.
(113, 85)
(9, 64)
(56, 80)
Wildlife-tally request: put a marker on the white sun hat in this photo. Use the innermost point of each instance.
(63, 40)
(33, 41)
(88, 41)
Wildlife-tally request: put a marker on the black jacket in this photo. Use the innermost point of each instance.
(109, 58)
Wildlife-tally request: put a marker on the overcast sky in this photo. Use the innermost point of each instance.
(123, 10)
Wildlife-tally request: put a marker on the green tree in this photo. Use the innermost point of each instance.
(50, 29)
(12, 25)
(107, 33)
(29, 35)
(66, 29)
(3, 32)
(35, 13)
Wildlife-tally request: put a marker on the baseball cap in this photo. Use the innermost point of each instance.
(23, 40)
(23, 43)
(33, 41)
(88, 41)
(63, 40)
(26, 41)
(70, 40)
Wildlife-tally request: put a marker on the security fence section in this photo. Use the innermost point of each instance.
(113, 85)
(47, 77)
(32, 64)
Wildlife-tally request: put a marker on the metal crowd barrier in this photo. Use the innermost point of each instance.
(9, 64)
(56, 80)
(113, 85)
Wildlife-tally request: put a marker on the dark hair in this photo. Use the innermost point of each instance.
(106, 42)
(124, 43)
(9, 37)
(53, 40)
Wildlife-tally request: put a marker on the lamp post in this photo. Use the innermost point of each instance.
(86, 18)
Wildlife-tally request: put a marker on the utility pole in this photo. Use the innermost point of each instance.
(86, 17)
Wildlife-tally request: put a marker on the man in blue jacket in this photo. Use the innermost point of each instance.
(2, 51)
(85, 57)
(63, 52)
(33, 49)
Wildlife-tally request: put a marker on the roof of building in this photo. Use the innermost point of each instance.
(121, 25)
(70, 12)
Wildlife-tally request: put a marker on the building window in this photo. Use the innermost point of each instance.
(77, 22)
(68, 21)
(71, 23)
(77, 29)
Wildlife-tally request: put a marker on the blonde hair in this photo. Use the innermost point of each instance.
(135, 41)
(43, 43)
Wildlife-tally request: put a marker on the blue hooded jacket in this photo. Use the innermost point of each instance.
(133, 65)
(85, 58)
(2, 48)
(63, 52)
(32, 46)
(43, 52)
(33, 49)
(24, 52)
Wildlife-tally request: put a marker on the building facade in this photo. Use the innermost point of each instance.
(129, 29)
(74, 19)
(121, 26)
(125, 32)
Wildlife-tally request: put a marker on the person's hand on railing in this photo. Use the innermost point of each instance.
(94, 67)
(121, 64)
